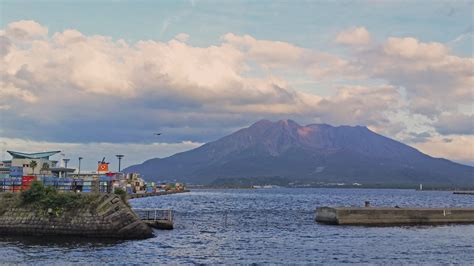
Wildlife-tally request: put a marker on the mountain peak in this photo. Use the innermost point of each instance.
(267, 122)
(288, 123)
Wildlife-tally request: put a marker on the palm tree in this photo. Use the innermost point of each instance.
(44, 168)
(33, 165)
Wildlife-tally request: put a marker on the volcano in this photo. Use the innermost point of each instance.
(317, 153)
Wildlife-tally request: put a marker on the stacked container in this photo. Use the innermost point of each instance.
(14, 182)
(3, 178)
(87, 184)
(8, 184)
(78, 184)
(16, 171)
(150, 187)
(105, 184)
(50, 181)
(65, 184)
(16, 186)
(129, 189)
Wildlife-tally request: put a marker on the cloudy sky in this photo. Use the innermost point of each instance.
(98, 79)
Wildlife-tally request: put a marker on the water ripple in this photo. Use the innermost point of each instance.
(273, 226)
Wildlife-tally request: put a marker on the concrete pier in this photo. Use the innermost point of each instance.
(375, 216)
(156, 218)
(154, 194)
(464, 192)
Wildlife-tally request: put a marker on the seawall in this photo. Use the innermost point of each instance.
(154, 194)
(393, 216)
(99, 216)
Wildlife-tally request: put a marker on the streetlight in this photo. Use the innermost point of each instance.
(80, 158)
(119, 156)
(65, 166)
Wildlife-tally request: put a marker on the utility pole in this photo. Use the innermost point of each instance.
(119, 156)
(65, 166)
(79, 171)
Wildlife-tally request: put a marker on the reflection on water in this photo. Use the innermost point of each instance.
(266, 226)
(58, 241)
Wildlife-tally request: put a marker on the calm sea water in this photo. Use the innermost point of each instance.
(268, 226)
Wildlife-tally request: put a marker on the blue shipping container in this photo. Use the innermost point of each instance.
(105, 178)
(16, 171)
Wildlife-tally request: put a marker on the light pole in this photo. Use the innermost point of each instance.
(65, 166)
(119, 156)
(79, 171)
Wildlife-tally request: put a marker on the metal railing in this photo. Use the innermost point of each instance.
(154, 214)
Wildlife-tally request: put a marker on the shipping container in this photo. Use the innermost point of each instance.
(28, 179)
(105, 187)
(16, 171)
(15, 189)
(104, 178)
(17, 181)
(26, 182)
(2, 176)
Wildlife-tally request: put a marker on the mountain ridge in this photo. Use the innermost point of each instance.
(315, 152)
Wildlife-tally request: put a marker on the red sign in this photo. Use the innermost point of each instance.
(103, 167)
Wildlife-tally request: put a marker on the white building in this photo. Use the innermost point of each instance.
(33, 163)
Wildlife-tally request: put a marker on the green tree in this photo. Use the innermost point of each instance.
(44, 167)
(33, 165)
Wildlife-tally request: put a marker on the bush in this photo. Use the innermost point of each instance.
(121, 193)
(36, 192)
(48, 197)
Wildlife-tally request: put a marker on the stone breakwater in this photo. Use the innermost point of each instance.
(379, 216)
(106, 217)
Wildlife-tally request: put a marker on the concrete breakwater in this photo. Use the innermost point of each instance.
(375, 216)
(464, 192)
(154, 194)
(99, 216)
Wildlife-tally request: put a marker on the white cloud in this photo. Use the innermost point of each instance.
(214, 75)
(355, 105)
(434, 79)
(269, 53)
(24, 30)
(86, 86)
(9, 91)
(182, 37)
(287, 57)
(458, 148)
(354, 36)
(411, 48)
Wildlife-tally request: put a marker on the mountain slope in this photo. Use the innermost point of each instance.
(316, 152)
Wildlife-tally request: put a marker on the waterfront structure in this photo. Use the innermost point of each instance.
(384, 216)
(18, 173)
(32, 163)
(37, 163)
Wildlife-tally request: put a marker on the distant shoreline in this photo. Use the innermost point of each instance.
(408, 187)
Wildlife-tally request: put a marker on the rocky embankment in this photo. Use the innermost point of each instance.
(85, 215)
